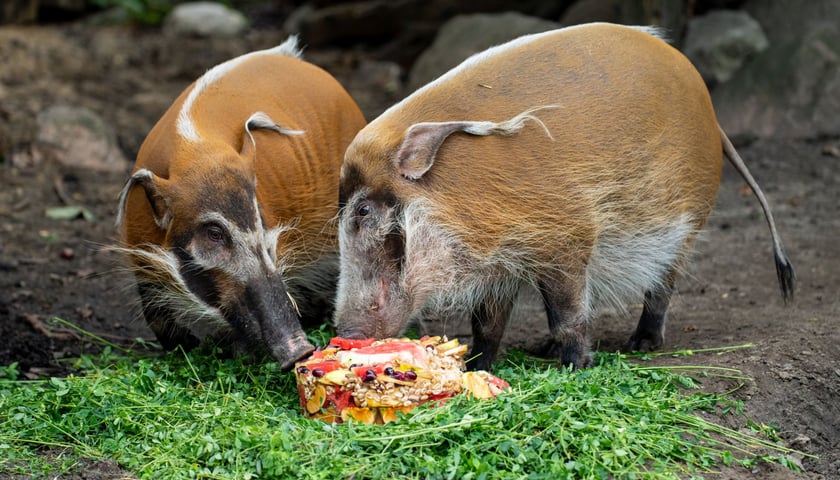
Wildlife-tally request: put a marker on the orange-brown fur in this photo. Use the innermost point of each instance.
(588, 171)
(296, 177)
(619, 161)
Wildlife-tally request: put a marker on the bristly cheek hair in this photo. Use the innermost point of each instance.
(203, 284)
(394, 247)
(161, 269)
(432, 264)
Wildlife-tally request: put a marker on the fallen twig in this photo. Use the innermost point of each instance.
(40, 327)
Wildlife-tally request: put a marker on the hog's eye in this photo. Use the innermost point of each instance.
(215, 234)
(363, 210)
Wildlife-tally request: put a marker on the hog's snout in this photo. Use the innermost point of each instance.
(272, 318)
(355, 334)
(294, 350)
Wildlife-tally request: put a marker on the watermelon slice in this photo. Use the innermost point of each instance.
(372, 381)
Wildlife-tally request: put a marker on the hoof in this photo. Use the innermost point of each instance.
(644, 342)
(575, 355)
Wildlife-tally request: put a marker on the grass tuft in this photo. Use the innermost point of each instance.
(198, 416)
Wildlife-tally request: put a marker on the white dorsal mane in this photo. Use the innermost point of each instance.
(185, 125)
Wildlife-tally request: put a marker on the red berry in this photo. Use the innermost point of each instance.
(410, 375)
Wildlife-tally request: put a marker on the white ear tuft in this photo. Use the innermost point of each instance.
(511, 126)
(146, 179)
(261, 121)
(423, 140)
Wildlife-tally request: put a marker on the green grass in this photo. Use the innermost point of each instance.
(198, 416)
(147, 12)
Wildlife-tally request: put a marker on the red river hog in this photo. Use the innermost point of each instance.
(581, 161)
(229, 215)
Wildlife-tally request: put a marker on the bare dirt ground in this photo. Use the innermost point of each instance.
(59, 268)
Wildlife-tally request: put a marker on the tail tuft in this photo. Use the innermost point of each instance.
(787, 277)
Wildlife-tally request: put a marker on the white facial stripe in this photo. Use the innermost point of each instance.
(185, 125)
(257, 217)
(252, 248)
(269, 240)
(208, 217)
(243, 263)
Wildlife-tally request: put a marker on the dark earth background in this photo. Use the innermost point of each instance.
(114, 78)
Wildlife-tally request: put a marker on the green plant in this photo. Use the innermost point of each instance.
(198, 416)
(149, 12)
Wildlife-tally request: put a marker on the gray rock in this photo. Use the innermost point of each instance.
(720, 41)
(593, 11)
(18, 11)
(783, 20)
(465, 35)
(349, 21)
(77, 137)
(205, 19)
(670, 15)
(370, 80)
(791, 89)
(403, 22)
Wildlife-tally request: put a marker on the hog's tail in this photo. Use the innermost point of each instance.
(784, 269)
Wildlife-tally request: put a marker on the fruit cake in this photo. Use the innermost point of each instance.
(372, 380)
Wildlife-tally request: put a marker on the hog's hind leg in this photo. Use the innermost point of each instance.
(650, 332)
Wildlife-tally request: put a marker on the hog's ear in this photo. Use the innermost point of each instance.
(421, 143)
(153, 187)
(261, 121)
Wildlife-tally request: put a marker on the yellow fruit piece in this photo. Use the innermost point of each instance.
(328, 416)
(374, 400)
(314, 404)
(389, 414)
(446, 346)
(421, 372)
(476, 385)
(336, 377)
(430, 341)
(386, 379)
(359, 414)
(455, 351)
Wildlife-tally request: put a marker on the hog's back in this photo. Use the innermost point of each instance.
(297, 176)
(632, 143)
